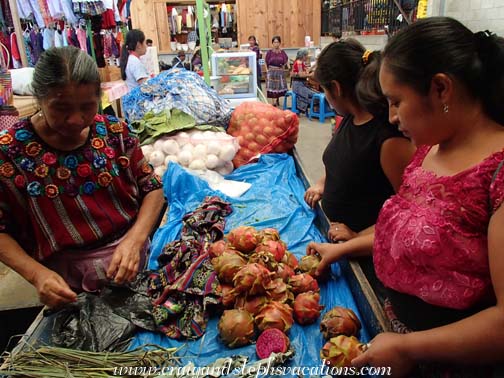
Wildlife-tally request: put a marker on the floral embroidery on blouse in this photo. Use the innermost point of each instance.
(97, 163)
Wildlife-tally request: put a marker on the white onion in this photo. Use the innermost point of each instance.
(200, 151)
(156, 158)
(209, 135)
(188, 147)
(169, 158)
(213, 147)
(182, 138)
(170, 147)
(227, 152)
(212, 161)
(185, 157)
(226, 169)
(158, 145)
(197, 137)
(197, 164)
(147, 150)
(160, 170)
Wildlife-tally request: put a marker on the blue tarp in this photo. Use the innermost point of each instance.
(274, 200)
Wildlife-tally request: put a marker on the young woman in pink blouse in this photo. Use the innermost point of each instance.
(437, 245)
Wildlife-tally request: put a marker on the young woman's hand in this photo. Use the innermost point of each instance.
(312, 195)
(340, 232)
(52, 289)
(387, 350)
(328, 253)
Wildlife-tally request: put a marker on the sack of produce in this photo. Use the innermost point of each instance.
(260, 129)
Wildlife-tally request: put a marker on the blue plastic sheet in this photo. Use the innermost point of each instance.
(274, 200)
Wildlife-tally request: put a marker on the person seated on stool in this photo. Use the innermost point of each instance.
(299, 77)
(179, 60)
(78, 199)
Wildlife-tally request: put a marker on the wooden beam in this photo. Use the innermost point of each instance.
(19, 32)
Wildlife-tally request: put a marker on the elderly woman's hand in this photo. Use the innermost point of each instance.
(125, 261)
(52, 289)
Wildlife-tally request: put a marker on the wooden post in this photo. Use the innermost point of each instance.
(19, 32)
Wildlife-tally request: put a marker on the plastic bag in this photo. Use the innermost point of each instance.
(104, 322)
(261, 128)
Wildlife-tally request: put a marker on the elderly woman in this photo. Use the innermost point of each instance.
(78, 200)
(299, 77)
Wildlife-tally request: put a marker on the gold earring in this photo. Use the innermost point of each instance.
(445, 108)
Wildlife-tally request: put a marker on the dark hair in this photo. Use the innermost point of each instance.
(343, 62)
(254, 38)
(148, 40)
(336, 35)
(133, 37)
(58, 67)
(277, 37)
(443, 45)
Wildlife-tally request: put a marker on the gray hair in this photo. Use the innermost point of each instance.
(302, 53)
(60, 66)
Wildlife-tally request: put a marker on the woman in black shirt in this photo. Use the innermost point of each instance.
(365, 158)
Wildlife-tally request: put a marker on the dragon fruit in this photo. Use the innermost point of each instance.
(269, 234)
(275, 315)
(270, 341)
(339, 351)
(217, 248)
(290, 260)
(228, 295)
(252, 279)
(276, 247)
(285, 272)
(301, 283)
(236, 328)
(264, 258)
(307, 308)
(309, 264)
(244, 238)
(252, 304)
(338, 321)
(279, 291)
(227, 265)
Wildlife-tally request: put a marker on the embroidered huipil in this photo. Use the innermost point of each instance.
(53, 200)
(431, 237)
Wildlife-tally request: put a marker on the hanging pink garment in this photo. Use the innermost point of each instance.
(81, 36)
(46, 15)
(16, 56)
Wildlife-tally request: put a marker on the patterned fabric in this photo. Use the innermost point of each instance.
(303, 93)
(178, 89)
(187, 283)
(52, 201)
(431, 238)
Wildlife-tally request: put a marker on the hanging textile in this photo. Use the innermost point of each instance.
(28, 48)
(48, 38)
(67, 8)
(37, 13)
(36, 45)
(55, 9)
(16, 56)
(46, 15)
(58, 38)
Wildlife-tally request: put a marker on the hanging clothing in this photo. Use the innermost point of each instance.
(67, 8)
(81, 37)
(48, 38)
(55, 9)
(46, 15)
(36, 45)
(16, 56)
(58, 38)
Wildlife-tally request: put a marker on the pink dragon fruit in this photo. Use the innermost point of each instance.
(252, 304)
(339, 320)
(227, 265)
(228, 295)
(279, 291)
(301, 283)
(252, 279)
(236, 328)
(339, 351)
(217, 248)
(264, 258)
(270, 341)
(290, 260)
(309, 264)
(243, 238)
(285, 272)
(269, 234)
(307, 308)
(275, 315)
(276, 247)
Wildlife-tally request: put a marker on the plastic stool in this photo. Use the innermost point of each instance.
(323, 105)
(293, 107)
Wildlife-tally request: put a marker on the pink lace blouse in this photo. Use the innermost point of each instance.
(431, 237)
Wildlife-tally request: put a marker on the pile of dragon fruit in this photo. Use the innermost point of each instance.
(265, 289)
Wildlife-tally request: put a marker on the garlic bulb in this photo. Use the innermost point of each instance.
(156, 158)
(185, 157)
(170, 147)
